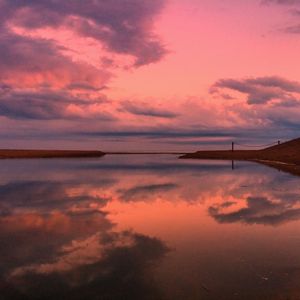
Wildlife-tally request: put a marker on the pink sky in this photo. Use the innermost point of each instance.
(209, 40)
(165, 74)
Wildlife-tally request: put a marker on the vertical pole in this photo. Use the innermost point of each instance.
(278, 142)
(232, 146)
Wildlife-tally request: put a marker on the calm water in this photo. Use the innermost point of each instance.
(148, 227)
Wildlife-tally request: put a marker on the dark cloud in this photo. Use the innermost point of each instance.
(227, 204)
(37, 63)
(260, 210)
(284, 2)
(36, 79)
(45, 196)
(124, 27)
(141, 193)
(43, 250)
(283, 122)
(126, 271)
(45, 104)
(160, 133)
(123, 271)
(41, 242)
(215, 136)
(84, 87)
(33, 62)
(200, 142)
(261, 90)
(295, 27)
(144, 109)
(57, 243)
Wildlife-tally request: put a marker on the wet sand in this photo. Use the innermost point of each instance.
(5, 153)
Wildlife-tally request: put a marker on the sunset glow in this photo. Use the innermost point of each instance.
(136, 75)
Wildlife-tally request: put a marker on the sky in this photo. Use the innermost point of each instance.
(159, 75)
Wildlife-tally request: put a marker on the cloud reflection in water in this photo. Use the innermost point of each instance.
(98, 229)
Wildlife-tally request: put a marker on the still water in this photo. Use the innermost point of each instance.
(148, 227)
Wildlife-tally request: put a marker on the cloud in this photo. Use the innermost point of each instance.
(259, 210)
(293, 28)
(124, 27)
(158, 132)
(141, 193)
(283, 2)
(38, 82)
(261, 90)
(107, 263)
(47, 104)
(49, 196)
(66, 246)
(32, 62)
(275, 104)
(41, 77)
(144, 109)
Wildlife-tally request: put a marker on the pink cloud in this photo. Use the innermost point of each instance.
(261, 90)
(28, 62)
(124, 27)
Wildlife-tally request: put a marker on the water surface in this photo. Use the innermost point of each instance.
(148, 227)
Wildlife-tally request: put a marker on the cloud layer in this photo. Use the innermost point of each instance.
(294, 26)
(43, 78)
(59, 63)
(261, 90)
(123, 27)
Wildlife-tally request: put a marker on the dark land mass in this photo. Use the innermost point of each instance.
(284, 157)
(48, 153)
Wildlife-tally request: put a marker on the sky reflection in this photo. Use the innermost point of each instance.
(123, 228)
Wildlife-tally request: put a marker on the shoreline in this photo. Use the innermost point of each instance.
(283, 161)
(284, 157)
(292, 169)
(28, 154)
(258, 156)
